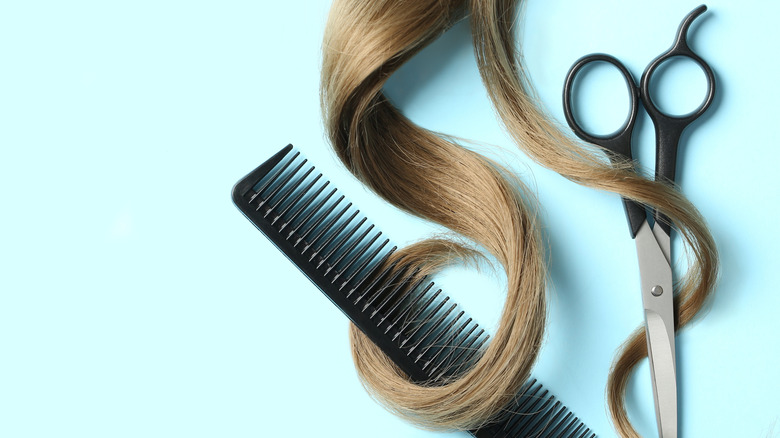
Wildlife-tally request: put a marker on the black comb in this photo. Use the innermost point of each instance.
(427, 335)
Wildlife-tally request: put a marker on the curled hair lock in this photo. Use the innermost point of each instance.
(434, 178)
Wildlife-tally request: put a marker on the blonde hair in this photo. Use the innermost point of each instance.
(431, 176)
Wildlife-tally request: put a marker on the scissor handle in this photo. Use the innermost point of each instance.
(617, 144)
(668, 127)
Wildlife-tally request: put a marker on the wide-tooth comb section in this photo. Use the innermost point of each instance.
(348, 249)
(419, 302)
(416, 325)
(435, 341)
(451, 336)
(456, 348)
(275, 188)
(317, 218)
(392, 296)
(438, 319)
(297, 197)
(329, 234)
(463, 352)
(389, 290)
(300, 207)
(275, 175)
(397, 307)
(284, 194)
(365, 261)
(536, 413)
(339, 243)
(379, 279)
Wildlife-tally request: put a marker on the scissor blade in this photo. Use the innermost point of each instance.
(657, 299)
(664, 241)
(664, 375)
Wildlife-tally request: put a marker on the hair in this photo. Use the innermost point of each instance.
(431, 176)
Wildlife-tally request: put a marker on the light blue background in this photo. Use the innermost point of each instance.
(135, 300)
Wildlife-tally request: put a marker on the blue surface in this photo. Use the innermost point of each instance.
(135, 300)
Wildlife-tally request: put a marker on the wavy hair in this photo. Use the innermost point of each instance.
(429, 175)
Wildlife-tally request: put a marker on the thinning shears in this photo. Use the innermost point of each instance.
(653, 244)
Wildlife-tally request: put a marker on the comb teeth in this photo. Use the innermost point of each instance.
(545, 417)
(417, 326)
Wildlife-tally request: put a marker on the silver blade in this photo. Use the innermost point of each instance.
(657, 299)
(665, 242)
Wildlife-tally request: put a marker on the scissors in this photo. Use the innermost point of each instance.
(653, 244)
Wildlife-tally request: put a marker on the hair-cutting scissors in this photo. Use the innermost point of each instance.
(653, 243)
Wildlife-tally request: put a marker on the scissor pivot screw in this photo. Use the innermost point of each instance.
(657, 291)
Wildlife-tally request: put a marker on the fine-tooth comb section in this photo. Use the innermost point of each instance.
(417, 325)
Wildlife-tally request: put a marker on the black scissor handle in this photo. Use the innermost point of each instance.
(669, 128)
(619, 142)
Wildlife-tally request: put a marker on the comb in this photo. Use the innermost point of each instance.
(418, 326)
